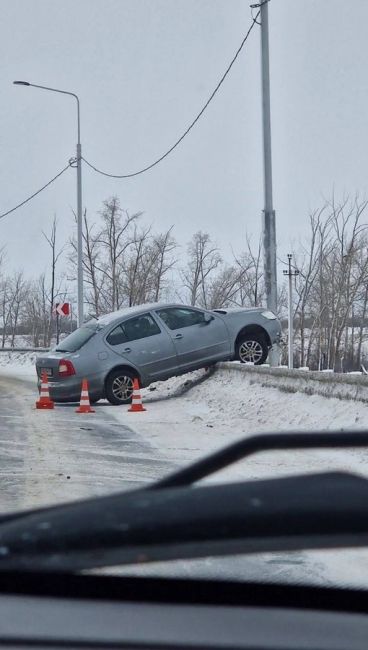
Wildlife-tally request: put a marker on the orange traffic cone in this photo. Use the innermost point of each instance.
(136, 399)
(84, 405)
(44, 401)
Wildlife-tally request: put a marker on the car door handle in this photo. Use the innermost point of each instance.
(127, 349)
(178, 336)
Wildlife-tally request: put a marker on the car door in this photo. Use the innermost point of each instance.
(142, 342)
(199, 337)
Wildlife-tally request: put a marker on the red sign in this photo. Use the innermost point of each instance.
(62, 308)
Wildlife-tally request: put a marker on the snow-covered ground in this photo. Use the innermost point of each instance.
(191, 415)
(230, 405)
(20, 365)
(188, 417)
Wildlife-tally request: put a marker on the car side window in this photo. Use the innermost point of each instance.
(140, 327)
(117, 336)
(177, 317)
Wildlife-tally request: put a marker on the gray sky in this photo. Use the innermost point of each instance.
(143, 69)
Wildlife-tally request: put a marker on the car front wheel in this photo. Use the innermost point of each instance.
(119, 387)
(252, 349)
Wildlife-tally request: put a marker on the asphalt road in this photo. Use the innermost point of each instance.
(56, 455)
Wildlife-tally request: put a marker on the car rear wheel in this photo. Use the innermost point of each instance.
(119, 387)
(252, 349)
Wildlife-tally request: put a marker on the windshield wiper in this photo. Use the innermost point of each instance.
(167, 521)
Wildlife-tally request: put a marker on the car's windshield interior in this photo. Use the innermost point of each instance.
(184, 283)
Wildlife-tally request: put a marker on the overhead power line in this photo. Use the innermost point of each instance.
(35, 193)
(169, 151)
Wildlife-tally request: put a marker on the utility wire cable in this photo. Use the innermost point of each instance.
(35, 193)
(167, 153)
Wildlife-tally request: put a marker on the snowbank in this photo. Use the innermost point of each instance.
(20, 365)
(229, 405)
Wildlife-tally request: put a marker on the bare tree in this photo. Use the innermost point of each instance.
(18, 288)
(93, 275)
(5, 311)
(309, 263)
(38, 312)
(137, 269)
(251, 286)
(362, 335)
(345, 275)
(163, 246)
(148, 263)
(55, 255)
(203, 260)
(331, 286)
(224, 287)
(115, 239)
(124, 264)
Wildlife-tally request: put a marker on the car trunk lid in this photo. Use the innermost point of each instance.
(49, 363)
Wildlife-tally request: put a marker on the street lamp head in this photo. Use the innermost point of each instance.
(21, 83)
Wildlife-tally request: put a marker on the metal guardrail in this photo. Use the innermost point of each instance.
(326, 384)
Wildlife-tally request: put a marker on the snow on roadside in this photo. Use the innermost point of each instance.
(20, 365)
(227, 406)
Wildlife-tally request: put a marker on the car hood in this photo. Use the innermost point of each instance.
(235, 310)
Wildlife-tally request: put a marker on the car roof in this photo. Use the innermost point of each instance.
(106, 319)
(135, 310)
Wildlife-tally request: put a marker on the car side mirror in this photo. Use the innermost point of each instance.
(208, 318)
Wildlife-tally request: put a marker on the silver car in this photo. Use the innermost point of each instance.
(153, 342)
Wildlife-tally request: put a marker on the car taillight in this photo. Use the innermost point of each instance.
(66, 368)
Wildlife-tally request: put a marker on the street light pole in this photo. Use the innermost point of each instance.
(79, 195)
(79, 228)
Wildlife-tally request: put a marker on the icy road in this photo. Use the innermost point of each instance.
(52, 456)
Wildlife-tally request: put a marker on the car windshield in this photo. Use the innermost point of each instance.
(183, 263)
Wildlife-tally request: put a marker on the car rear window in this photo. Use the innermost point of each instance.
(76, 339)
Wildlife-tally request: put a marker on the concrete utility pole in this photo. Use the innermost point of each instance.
(290, 274)
(269, 225)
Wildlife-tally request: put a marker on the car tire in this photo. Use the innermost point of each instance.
(251, 349)
(119, 386)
